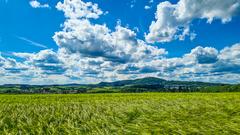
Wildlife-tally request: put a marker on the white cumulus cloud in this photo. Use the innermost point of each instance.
(76, 9)
(80, 35)
(173, 20)
(36, 4)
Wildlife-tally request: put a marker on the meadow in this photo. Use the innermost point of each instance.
(143, 113)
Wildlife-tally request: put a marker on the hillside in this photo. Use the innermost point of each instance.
(143, 81)
(149, 84)
(156, 81)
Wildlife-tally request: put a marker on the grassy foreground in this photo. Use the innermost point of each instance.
(146, 113)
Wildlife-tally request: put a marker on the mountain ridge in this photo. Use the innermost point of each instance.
(138, 81)
(154, 81)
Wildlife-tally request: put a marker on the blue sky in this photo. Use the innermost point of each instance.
(30, 30)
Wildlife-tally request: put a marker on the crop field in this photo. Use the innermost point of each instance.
(145, 113)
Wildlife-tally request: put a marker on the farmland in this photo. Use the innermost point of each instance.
(142, 113)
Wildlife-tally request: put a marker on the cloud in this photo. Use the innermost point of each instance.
(173, 20)
(77, 9)
(201, 63)
(231, 53)
(2, 60)
(32, 42)
(209, 63)
(35, 68)
(10, 66)
(80, 36)
(89, 53)
(147, 7)
(47, 61)
(229, 60)
(205, 55)
(36, 4)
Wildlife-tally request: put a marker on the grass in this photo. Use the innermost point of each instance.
(146, 113)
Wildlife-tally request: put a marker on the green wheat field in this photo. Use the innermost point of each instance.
(145, 113)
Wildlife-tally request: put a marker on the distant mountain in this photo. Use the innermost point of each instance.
(143, 81)
(136, 82)
(156, 81)
(149, 84)
(14, 85)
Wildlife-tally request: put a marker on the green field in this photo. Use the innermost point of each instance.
(146, 113)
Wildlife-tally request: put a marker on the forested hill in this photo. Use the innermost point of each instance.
(156, 81)
(149, 84)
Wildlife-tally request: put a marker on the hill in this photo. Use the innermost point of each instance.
(143, 81)
(148, 84)
(156, 81)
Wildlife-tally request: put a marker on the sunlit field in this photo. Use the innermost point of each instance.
(147, 113)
